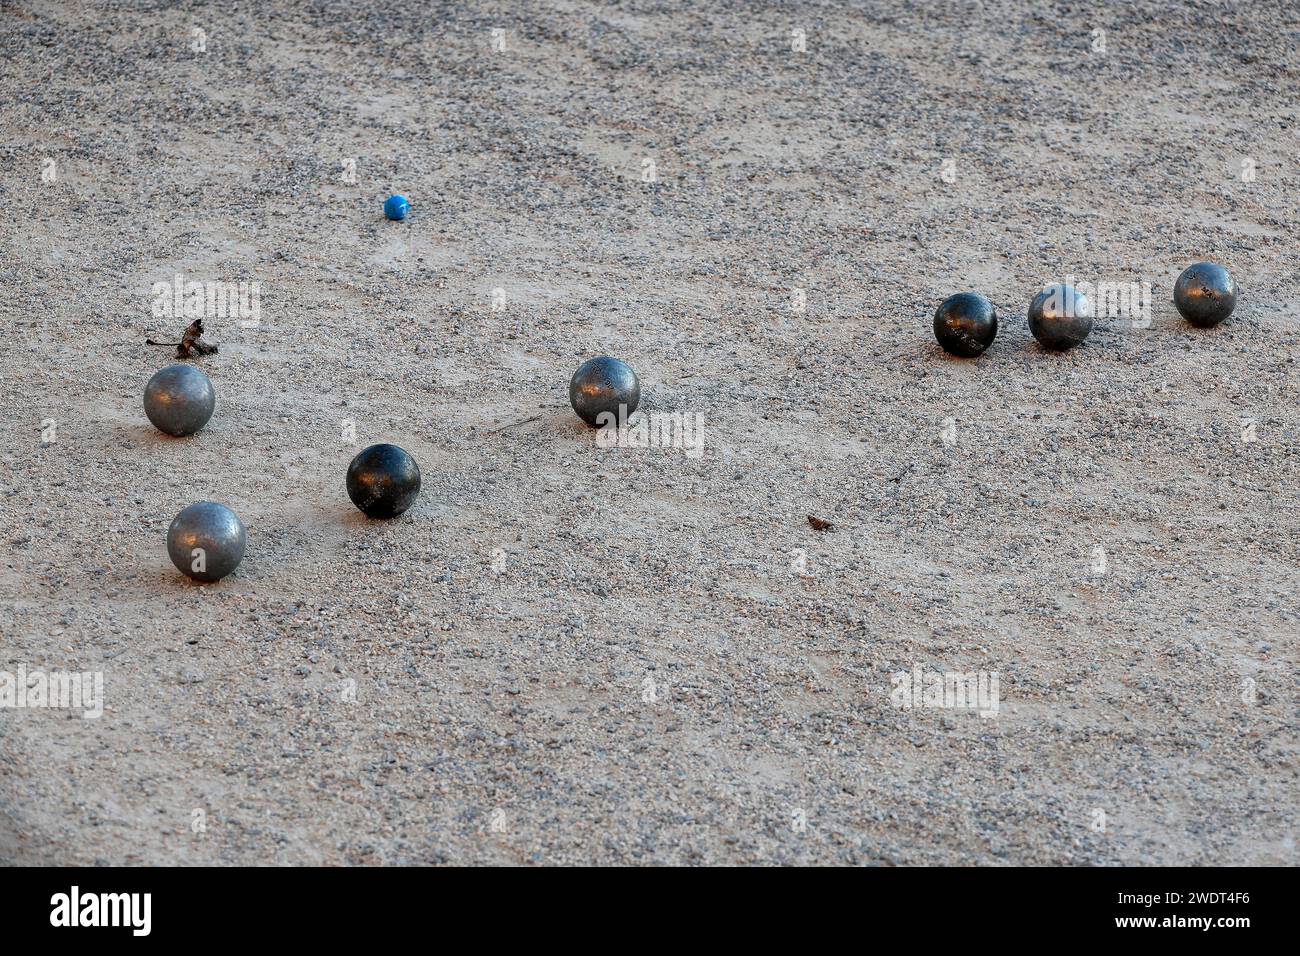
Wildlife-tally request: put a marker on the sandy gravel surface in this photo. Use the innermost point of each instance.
(573, 654)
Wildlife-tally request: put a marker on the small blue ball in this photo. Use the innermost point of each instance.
(396, 207)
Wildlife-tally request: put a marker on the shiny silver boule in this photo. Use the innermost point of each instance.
(1205, 294)
(179, 399)
(206, 541)
(1060, 317)
(965, 324)
(601, 385)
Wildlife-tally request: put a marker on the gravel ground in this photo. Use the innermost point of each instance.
(566, 653)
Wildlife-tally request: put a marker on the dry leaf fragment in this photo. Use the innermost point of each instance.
(189, 343)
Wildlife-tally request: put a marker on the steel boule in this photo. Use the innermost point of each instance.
(604, 391)
(1060, 317)
(179, 399)
(206, 541)
(1205, 294)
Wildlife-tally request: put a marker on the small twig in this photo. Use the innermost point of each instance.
(514, 424)
(899, 476)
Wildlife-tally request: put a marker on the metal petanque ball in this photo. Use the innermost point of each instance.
(396, 207)
(383, 481)
(601, 385)
(1205, 294)
(965, 324)
(206, 541)
(1060, 317)
(179, 399)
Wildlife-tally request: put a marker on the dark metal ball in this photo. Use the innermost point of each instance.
(383, 481)
(179, 399)
(1205, 294)
(206, 541)
(601, 385)
(965, 324)
(1060, 317)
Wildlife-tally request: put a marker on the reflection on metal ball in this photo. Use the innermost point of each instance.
(383, 481)
(1060, 317)
(179, 399)
(601, 385)
(206, 541)
(965, 324)
(1205, 294)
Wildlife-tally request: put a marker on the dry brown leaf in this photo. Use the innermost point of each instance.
(189, 344)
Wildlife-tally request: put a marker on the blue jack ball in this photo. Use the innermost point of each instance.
(396, 207)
